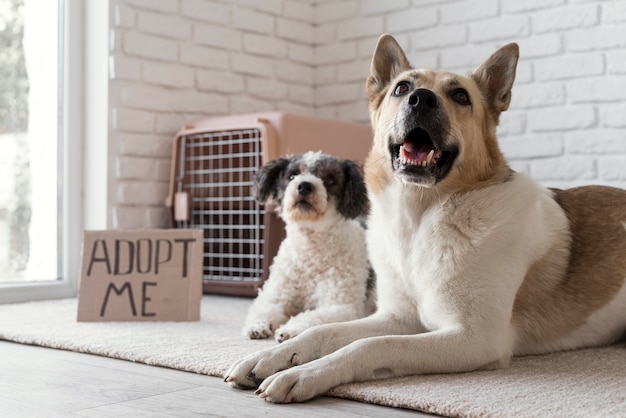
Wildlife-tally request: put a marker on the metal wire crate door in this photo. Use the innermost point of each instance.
(215, 177)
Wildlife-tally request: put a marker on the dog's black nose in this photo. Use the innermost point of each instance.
(305, 188)
(423, 99)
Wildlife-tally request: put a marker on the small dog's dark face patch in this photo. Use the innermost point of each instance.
(307, 186)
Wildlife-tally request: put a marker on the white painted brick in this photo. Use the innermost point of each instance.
(141, 193)
(301, 94)
(334, 94)
(294, 30)
(524, 73)
(264, 45)
(145, 145)
(335, 53)
(538, 46)
(520, 166)
(220, 82)
(468, 10)
(165, 6)
(251, 20)
(412, 19)
(601, 37)
(270, 6)
(424, 59)
(294, 72)
(369, 7)
(569, 66)
(263, 88)
(596, 141)
(200, 56)
(245, 104)
(613, 11)
(147, 46)
(354, 71)
(124, 16)
(467, 56)
(145, 97)
(301, 53)
(613, 169)
(157, 217)
(517, 6)
(248, 64)
(122, 68)
(538, 95)
(219, 37)
(170, 75)
(335, 11)
(616, 61)
(359, 27)
(512, 122)
(532, 146)
(600, 89)
(299, 109)
(561, 118)
(128, 217)
(162, 170)
(129, 120)
(438, 37)
(163, 25)
(208, 11)
(328, 112)
(562, 18)
(169, 123)
(355, 112)
(501, 27)
(298, 10)
(324, 34)
(193, 101)
(564, 169)
(325, 75)
(422, 3)
(613, 116)
(135, 168)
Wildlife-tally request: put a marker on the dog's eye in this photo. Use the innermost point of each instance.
(293, 174)
(402, 88)
(329, 180)
(461, 97)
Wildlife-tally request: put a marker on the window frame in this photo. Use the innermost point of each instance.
(70, 168)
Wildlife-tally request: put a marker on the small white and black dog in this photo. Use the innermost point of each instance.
(321, 272)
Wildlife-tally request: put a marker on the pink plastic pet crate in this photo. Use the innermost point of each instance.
(214, 163)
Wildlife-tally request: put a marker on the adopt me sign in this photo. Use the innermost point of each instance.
(143, 275)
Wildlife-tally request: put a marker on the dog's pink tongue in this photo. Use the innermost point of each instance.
(415, 152)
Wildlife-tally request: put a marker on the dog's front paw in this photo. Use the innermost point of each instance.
(259, 330)
(251, 371)
(286, 332)
(298, 384)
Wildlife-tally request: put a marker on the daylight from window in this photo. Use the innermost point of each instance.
(29, 209)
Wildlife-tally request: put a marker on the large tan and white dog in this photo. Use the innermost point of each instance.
(475, 263)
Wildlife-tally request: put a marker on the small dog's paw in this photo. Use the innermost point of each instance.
(286, 332)
(258, 331)
(281, 336)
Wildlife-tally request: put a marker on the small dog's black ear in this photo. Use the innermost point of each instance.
(266, 182)
(354, 199)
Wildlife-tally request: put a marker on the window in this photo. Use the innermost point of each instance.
(39, 157)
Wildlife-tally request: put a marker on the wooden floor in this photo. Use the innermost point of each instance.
(42, 382)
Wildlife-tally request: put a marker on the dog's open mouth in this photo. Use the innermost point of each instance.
(418, 160)
(304, 205)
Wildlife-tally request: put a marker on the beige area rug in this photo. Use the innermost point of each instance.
(583, 383)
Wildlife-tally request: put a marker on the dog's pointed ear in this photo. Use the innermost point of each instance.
(388, 61)
(495, 76)
(354, 199)
(266, 182)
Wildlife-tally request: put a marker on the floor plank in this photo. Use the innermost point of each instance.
(36, 382)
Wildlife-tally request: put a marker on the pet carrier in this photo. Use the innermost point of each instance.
(214, 163)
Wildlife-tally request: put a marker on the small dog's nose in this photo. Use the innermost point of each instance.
(422, 98)
(305, 188)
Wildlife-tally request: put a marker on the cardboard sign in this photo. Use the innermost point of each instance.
(144, 275)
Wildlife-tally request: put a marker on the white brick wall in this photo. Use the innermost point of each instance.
(173, 61)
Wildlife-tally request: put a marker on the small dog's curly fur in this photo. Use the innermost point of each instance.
(321, 271)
